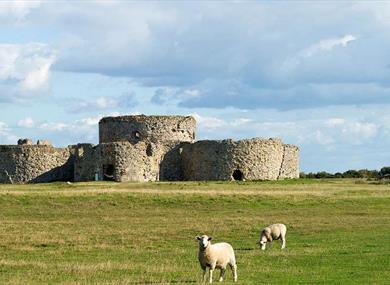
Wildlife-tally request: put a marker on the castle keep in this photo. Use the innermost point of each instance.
(149, 148)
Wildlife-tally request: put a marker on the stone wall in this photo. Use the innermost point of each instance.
(86, 162)
(251, 159)
(141, 162)
(124, 161)
(147, 128)
(149, 148)
(290, 166)
(35, 163)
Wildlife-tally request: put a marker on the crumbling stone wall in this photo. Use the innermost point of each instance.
(35, 163)
(149, 148)
(86, 162)
(143, 161)
(290, 165)
(132, 162)
(145, 148)
(251, 159)
(147, 128)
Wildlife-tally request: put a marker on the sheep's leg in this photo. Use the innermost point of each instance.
(283, 242)
(204, 275)
(233, 267)
(211, 275)
(222, 274)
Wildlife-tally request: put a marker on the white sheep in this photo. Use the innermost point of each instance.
(273, 232)
(217, 255)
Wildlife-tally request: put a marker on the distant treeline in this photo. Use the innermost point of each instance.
(384, 173)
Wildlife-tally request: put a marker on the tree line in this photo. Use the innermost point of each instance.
(383, 173)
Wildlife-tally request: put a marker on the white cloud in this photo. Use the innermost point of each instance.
(327, 45)
(54, 126)
(38, 77)
(16, 11)
(191, 93)
(360, 131)
(208, 123)
(323, 139)
(291, 64)
(6, 136)
(334, 122)
(27, 122)
(93, 121)
(124, 101)
(240, 121)
(24, 69)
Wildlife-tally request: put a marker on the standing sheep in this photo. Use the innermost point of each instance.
(217, 255)
(273, 232)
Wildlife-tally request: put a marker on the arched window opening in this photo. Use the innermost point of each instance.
(237, 175)
(108, 172)
(149, 150)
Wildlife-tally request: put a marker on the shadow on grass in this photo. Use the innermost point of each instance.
(167, 282)
(244, 249)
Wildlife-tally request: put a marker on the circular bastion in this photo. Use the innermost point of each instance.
(249, 159)
(147, 128)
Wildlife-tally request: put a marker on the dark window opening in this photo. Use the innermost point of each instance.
(237, 175)
(136, 135)
(149, 150)
(108, 172)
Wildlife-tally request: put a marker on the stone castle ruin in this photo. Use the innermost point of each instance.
(149, 148)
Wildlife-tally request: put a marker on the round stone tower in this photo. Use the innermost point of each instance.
(250, 159)
(147, 128)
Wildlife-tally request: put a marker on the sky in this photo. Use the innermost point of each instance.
(315, 74)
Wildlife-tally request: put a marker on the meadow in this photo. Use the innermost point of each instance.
(144, 233)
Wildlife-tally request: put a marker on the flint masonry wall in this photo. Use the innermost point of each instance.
(87, 162)
(144, 148)
(147, 128)
(290, 165)
(124, 161)
(35, 163)
(149, 148)
(251, 159)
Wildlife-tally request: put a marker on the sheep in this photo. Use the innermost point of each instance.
(273, 232)
(217, 255)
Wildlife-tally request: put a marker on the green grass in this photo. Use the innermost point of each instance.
(144, 233)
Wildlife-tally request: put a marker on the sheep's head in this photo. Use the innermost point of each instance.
(263, 241)
(264, 238)
(204, 241)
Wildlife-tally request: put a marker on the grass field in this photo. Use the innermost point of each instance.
(144, 233)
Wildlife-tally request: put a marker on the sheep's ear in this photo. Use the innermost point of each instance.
(198, 237)
(210, 238)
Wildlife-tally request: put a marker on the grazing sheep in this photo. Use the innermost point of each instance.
(273, 232)
(217, 255)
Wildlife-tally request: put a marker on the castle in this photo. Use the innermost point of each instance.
(149, 148)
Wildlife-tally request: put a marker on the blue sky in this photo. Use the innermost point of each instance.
(316, 75)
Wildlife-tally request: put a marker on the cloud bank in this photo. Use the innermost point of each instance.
(24, 70)
(229, 55)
